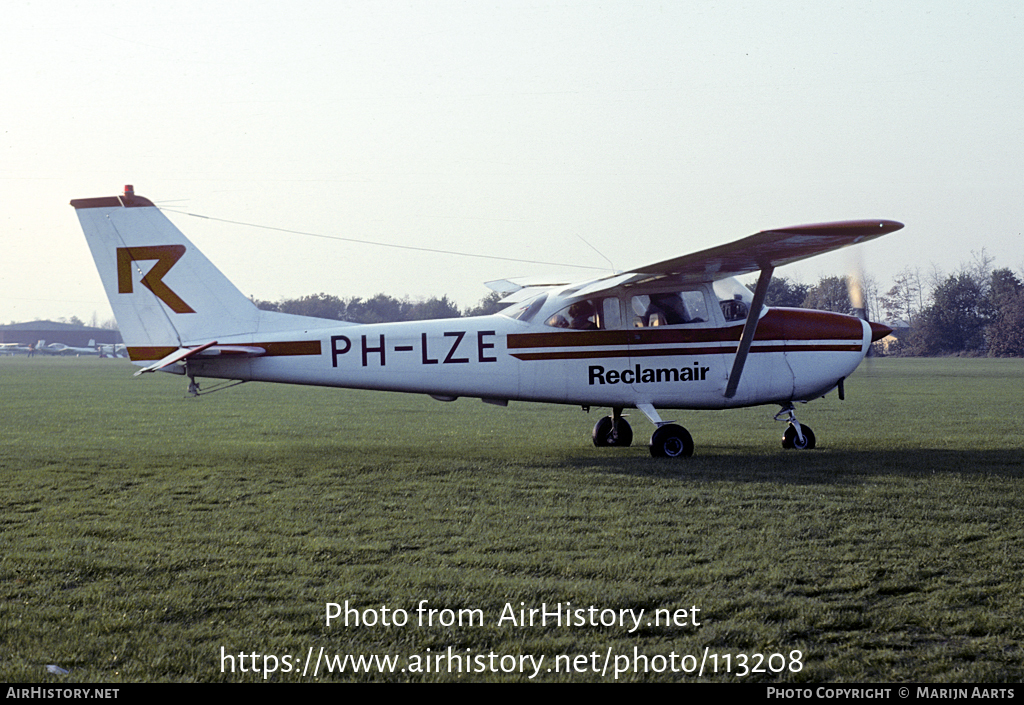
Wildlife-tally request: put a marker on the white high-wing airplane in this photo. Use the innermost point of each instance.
(678, 334)
(62, 349)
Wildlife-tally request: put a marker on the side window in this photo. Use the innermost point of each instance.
(612, 318)
(588, 314)
(669, 308)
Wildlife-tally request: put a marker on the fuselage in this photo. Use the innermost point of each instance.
(796, 355)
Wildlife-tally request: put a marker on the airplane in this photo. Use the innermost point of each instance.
(111, 350)
(682, 333)
(62, 349)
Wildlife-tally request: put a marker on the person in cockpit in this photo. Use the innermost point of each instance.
(581, 316)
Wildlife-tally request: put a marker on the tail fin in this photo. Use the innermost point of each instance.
(163, 290)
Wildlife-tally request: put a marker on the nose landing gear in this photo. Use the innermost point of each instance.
(797, 435)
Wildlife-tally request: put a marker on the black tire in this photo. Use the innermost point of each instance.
(604, 433)
(790, 440)
(671, 441)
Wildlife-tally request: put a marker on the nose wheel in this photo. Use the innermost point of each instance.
(797, 435)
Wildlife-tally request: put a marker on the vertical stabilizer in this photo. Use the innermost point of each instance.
(163, 290)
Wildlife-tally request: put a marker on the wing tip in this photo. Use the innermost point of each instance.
(844, 228)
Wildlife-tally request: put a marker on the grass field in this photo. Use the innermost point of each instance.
(144, 532)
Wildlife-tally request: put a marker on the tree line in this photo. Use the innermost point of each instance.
(977, 310)
(378, 309)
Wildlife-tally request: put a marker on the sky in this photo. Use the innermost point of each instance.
(595, 134)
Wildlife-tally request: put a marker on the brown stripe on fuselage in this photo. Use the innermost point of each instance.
(299, 347)
(145, 354)
(665, 352)
(777, 324)
(793, 330)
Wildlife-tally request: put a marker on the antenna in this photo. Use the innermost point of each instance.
(611, 265)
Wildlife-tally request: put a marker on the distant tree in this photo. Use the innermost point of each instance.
(956, 319)
(488, 305)
(316, 305)
(783, 292)
(980, 269)
(265, 305)
(1006, 333)
(904, 300)
(830, 294)
(1003, 287)
(379, 309)
(432, 308)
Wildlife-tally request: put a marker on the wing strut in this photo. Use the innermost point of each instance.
(748, 331)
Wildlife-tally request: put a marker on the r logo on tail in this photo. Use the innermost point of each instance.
(166, 256)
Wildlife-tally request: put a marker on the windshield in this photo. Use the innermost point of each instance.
(525, 310)
(734, 298)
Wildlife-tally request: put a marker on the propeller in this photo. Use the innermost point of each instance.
(855, 288)
(855, 285)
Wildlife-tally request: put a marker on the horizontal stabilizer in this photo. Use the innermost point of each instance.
(210, 349)
(508, 287)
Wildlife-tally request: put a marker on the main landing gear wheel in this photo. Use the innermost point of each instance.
(790, 439)
(608, 433)
(671, 441)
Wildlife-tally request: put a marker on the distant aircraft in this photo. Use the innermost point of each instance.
(15, 349)
(112, 350)
(62, 349)
(678, 334)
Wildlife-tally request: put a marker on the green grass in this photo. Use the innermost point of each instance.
(143, 530)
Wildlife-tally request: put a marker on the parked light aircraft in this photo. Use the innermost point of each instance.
(111, 350)
(62, 349)
(677, 334)
(16, 349)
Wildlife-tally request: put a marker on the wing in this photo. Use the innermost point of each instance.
(769, 249)
(762, 253)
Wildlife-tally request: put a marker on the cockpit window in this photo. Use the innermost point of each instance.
(734, 298)
(669, 308)
(588, 314)
(525, 310)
